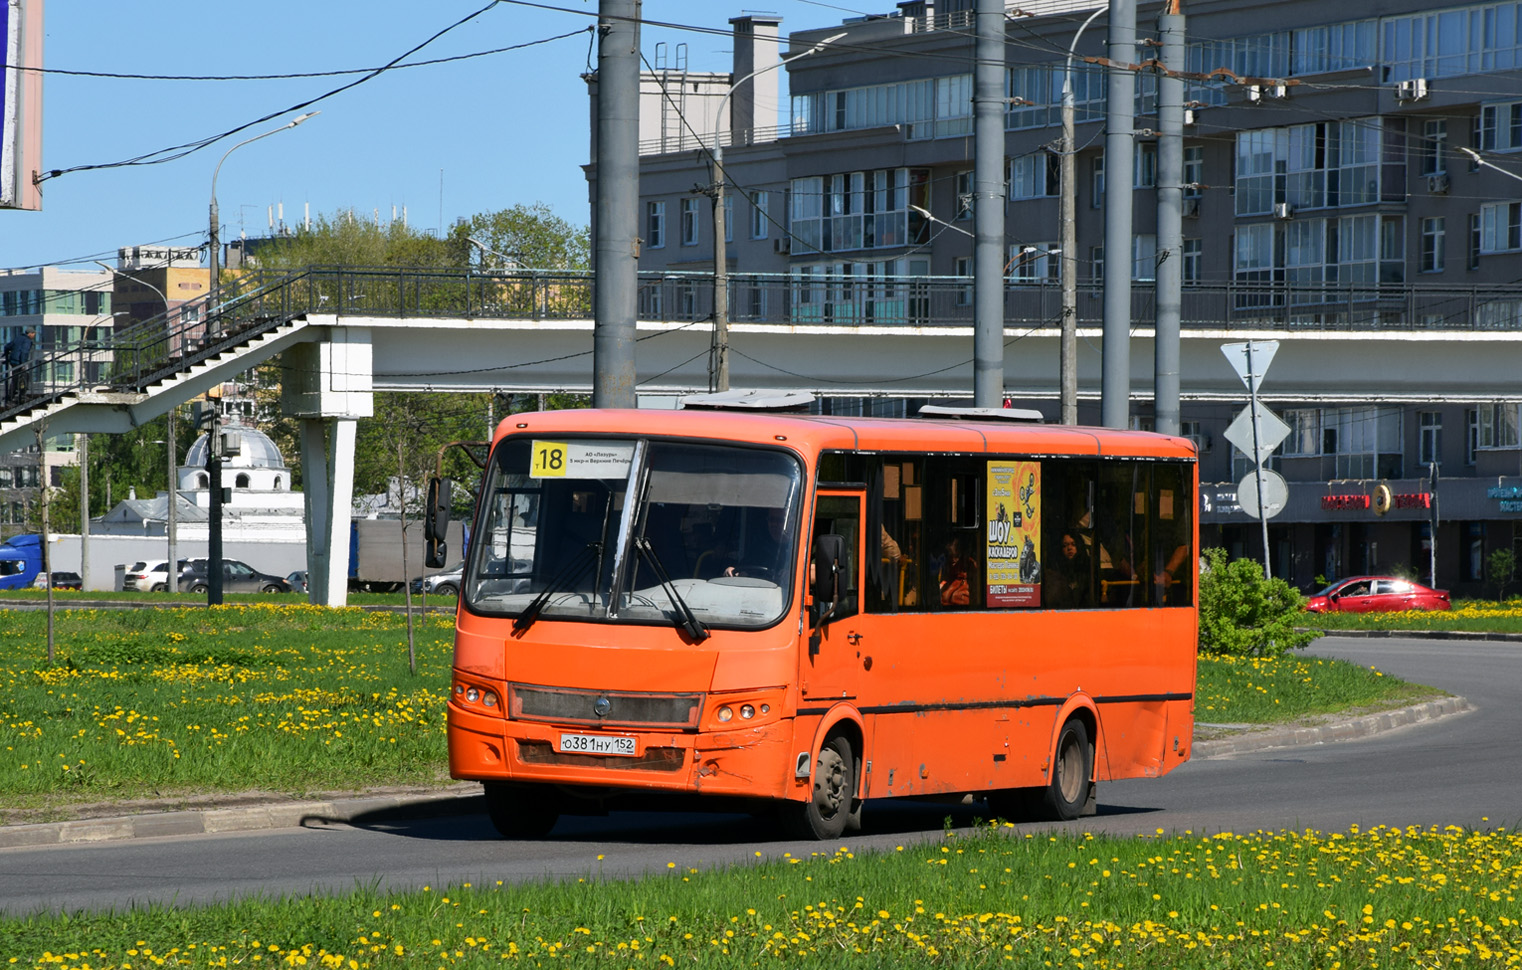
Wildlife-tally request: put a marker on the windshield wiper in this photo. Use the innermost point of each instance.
(571, 571)
(688, 621)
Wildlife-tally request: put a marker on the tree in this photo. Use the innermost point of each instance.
(1244, 614)
(1501, 568)
(344, 239)
(531, 235)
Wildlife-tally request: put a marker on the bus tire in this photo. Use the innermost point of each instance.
(833, 803)
(1068, 792)
(520, 812)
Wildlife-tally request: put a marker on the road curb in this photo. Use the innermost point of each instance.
(1420, 635)
(1300, 735)
(464, 799)
(457, 800)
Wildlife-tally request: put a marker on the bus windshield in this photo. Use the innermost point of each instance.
(640, 531)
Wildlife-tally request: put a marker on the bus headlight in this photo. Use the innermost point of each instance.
(747, 712)
(726, 714)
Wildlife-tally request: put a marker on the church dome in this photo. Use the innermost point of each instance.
(255, 450)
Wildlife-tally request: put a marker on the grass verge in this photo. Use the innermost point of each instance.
(1387, 897)
(167, 702)
(1469, 616)
(1273, 690)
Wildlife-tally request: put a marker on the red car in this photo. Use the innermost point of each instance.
(1377, 594)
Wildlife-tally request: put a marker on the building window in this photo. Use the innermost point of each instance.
(729, 218)
(1097, 263)
(964, 290)
(1434, 147)
(1500, 227)
(1194, 171)
(1366, 441)
(689, 222)
(1473, 261)
(1194, 258)
(760, 226)
(1430, 447)
(1144, 166)
(1501, 126)
(860, 210)
(1304, 432)
(1497, 426)
(1097, 183)
(1032, 263)
(1144, 257)
(1471, 434)
(1433, 236)
(1034, 176)
(964, 187)
(655, 225)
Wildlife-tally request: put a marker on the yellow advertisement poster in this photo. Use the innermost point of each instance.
(1014, 533)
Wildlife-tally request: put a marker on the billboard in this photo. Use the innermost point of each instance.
(20, 103)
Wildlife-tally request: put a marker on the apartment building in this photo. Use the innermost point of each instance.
(1348, 170)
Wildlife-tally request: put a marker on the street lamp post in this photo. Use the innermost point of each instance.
(216, 269)
(718, 358)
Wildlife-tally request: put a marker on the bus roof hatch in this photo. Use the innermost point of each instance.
(981, 414)
(755, 399)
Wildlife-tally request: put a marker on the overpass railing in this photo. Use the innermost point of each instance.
(252, 302)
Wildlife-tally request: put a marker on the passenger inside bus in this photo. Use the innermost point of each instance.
(959, 575)
(1068, 581)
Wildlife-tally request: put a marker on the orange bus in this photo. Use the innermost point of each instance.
(800, 612)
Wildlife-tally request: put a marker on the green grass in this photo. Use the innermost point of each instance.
(998, 897)
(1270, 690)
(167, 702)
(1467, 616)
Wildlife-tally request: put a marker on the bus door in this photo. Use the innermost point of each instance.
(831, 660)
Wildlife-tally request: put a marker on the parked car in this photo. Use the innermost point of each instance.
(445, 582)
(1377, 594)
(237, 577)
(149, 576)
(61, 580)
(298, 581)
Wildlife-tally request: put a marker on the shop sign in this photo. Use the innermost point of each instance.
(1345, 503)
(1510, 497)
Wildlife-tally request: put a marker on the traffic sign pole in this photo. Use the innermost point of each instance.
(1252, 394)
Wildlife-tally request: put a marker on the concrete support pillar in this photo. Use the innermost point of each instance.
(327, 462)
(328, 386)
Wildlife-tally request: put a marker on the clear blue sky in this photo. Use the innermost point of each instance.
(493, 131)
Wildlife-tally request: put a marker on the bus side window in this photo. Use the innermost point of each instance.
(1172, 536)
(841, 515)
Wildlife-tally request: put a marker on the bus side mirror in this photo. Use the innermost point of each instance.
(436, 520)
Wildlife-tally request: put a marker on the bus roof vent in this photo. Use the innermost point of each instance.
(981, 414)
(756, 399)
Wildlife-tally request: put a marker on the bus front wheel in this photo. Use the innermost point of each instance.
(1067, 794)
(833, 805)
(520, 812)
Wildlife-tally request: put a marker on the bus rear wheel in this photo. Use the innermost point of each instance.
(833, 804)
(1067, 794)
(521, 811)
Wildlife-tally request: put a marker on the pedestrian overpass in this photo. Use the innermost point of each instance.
(344, 333)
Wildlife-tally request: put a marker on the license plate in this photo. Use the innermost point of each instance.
(597, 744)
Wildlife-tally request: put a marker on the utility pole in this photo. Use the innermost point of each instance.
(84, 509)
(1068, 349)
(210, 416)
(617, 207)
(1170, 212)
(988, 105)
(1120, 120)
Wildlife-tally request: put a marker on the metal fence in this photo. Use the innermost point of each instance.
(255, 301)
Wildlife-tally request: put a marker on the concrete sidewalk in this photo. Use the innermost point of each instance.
(258, 811)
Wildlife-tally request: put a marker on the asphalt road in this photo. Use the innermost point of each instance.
(1464, 770)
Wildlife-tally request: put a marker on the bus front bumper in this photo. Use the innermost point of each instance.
(751, 761)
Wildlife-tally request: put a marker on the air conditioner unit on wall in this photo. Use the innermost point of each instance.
(1283, 210)
(1438, 184)
(1191, 208)
(783, 245)
(1414, 89)
(1252, 94)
